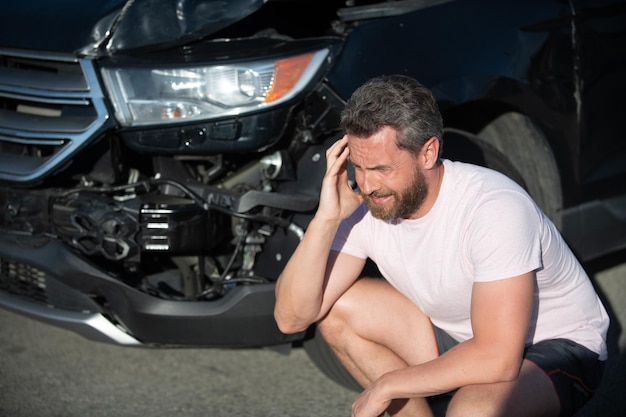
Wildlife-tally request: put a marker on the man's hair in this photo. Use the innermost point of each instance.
(397, 101)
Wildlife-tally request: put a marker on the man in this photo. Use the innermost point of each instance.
(481, 295)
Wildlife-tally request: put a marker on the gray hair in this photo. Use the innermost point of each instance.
(398, 101)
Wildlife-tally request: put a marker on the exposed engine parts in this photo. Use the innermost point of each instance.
(185, 246)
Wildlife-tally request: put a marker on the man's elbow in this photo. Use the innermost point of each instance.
(509, 373)
(507, 370)
(289, 324)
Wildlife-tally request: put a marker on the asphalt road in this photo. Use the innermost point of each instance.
(45, 371)
(50, 372)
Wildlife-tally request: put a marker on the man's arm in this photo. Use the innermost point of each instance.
(299, 289)
(314, 277)
(501, 312)
(310, 285)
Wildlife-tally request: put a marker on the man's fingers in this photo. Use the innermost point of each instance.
(336, 148)
(336, 157)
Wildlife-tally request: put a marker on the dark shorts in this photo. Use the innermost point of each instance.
(575, 371)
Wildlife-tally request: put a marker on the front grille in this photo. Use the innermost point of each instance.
(50, 106)
(23, 280)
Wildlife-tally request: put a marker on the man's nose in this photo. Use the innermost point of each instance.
(366, 182)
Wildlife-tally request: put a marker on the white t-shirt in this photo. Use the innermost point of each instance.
(483, 227)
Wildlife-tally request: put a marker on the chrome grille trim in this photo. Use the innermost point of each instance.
(20, 94)
(51, 106)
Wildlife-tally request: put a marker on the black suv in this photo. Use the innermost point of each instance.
(160, 160)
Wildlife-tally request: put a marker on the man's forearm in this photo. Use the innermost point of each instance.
(300, 287)
(467, 364)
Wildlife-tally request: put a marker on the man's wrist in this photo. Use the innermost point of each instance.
(389, 386)
(323, 222)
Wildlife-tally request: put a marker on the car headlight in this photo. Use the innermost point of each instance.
(143, 96)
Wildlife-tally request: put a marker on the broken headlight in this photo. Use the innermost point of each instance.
(143, 96)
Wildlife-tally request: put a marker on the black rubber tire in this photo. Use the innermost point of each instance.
(466, 147)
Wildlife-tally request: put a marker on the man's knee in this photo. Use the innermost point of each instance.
(472, 404)
(338, 319)
(332, 327)
(342, 321)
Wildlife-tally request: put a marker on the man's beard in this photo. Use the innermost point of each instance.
(404, 203)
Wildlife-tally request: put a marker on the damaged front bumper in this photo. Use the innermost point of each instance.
(43, 279)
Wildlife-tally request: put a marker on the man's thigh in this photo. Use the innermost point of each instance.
(531, 394)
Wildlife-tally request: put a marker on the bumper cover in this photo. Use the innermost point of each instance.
(69, 292)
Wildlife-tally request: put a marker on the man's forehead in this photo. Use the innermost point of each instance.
(371, 153)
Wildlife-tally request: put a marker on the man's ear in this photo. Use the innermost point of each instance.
(430, 152)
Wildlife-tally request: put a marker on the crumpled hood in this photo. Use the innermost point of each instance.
(97, 27)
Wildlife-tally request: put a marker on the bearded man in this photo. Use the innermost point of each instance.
(481, 296)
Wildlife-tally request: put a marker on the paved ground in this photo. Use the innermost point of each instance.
(50, 372)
